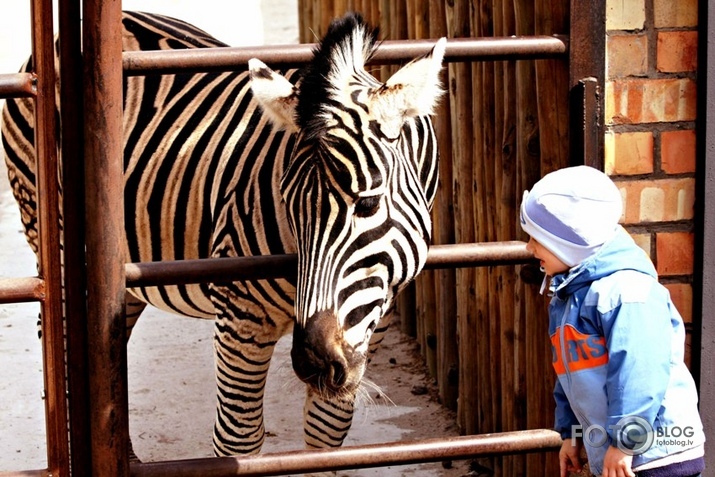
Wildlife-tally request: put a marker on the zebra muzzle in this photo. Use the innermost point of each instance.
(321, 357)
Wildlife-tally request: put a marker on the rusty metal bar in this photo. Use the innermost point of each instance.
(374, 455)
(19, 85)
(288, 56)
(585, 114)
(107, 363)
(48, 212)
(284, 266)
(481, 254)
(21, 290)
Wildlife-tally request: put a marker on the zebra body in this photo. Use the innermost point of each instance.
(326, 162)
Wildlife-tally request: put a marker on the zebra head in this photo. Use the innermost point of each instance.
(358, 190)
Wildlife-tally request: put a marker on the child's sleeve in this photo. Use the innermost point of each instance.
(639, 338)
(565, 417)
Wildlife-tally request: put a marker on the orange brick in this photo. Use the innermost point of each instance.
(675, 13)
(677, 151)
(677, 51)
(663, 200)
(631, 101)
(629, 153)
(674, 253)
(682, 296)
(627, 55)
(625, 14)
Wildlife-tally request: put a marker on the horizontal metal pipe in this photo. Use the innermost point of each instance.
(181, 272)
(19, 85)
(388, 52)
(21, 290)
(29, 289)
(373, 455)
(480, 254)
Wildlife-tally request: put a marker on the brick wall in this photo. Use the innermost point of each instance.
(650, 105)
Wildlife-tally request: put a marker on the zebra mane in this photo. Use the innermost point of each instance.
(343, 51)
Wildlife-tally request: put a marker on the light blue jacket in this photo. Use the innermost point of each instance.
(618, 345)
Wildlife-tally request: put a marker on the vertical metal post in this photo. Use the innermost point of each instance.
(102, 58)
(703, 357)
(586, 124)
(49, 248)
(587, 60)
(75, 273)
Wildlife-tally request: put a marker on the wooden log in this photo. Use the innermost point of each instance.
(418, 28)
(505, 180)
(410, 8)
(527, 152)
(420, 16)
(305, 19)
(386, 14)
(443, 233)
(468, 411)
(485, 105)
(552, 79)
(341, 7)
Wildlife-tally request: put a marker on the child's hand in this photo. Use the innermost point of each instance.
(617, 463)
(570, 457)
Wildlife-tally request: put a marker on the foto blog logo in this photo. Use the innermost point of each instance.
(633, 435)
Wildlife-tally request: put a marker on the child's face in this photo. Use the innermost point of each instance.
(548, 261)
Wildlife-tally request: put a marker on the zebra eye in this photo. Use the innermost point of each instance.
(367, 206)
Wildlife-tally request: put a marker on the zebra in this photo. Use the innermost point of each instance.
(323, 161)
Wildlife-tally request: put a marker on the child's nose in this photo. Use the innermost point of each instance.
(530, 245)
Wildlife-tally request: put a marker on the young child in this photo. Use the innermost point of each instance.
(623, 390)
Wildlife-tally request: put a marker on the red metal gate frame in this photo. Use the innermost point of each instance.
(95, 325)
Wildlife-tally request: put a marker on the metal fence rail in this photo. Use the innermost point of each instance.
(388, 52)
(352, 457)
(221, 270)
(20, 85)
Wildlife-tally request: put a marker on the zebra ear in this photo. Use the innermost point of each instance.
(277, 96)
(412, 91)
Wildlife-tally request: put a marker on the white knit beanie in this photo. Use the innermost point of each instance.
(572, 212)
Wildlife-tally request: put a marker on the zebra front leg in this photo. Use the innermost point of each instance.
(326, 422)
(241, 365)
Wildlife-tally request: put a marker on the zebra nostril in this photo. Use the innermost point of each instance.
(338, 375)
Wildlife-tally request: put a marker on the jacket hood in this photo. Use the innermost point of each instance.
(619, 253)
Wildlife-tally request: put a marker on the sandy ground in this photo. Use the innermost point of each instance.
(171, 387)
